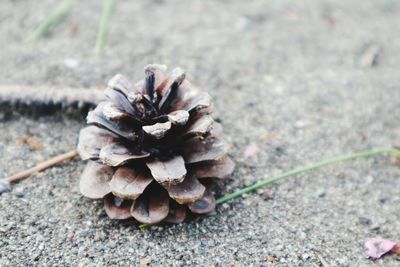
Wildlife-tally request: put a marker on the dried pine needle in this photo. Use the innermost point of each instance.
(42, 166)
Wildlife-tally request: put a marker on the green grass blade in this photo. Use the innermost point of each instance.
(303, 169)
(105, 17)
(144, 225)
(52, 20)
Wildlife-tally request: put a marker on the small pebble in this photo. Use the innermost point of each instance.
(321, 193)
(71, 63)
(144, 261)
(19, 192)
(364, 221)
(4, 186)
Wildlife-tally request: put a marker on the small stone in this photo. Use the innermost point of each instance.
(271, 258)
(302, 235)
(144, 261)
(364, 221)
(97, 237)
(4, 186)
(70, 237)
(19, 192)
(321, 193)
(267, 195)
(112, 244)
(370, 55)
(375, 227)
(302, 123)
(11, 225)
(369, 179)
(71, 63)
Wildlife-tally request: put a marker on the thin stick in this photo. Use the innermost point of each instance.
(42, 165)
(105, 17)
(303, 169)
(52, 20)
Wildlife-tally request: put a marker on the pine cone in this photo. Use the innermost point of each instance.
(152, 148)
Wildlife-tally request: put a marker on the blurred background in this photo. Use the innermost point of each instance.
(215, 40)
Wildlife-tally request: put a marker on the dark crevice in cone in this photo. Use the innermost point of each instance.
(207, 203)
(168, 97)
(166, 147)
(120, 99)
(177, 213)
(149, 84)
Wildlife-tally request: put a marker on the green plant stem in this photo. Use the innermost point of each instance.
(303, 169)
(144, 225)
(105, 17)
(52, 20)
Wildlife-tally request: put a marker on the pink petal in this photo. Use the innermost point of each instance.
(377, 247)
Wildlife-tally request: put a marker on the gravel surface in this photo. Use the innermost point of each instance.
(303, 80)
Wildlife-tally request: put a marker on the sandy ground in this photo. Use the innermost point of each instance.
(292, 77)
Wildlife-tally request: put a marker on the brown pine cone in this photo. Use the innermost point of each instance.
(152, 147)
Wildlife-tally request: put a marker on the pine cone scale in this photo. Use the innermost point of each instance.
(152, 206)
(178, 117)
(121, 84)
(94, 180)
(127, 183)
(171, 171)
(116, 154)
(120, 99)
(157, 130)
(187, 191)
(96, 117)
(197, 104)
(201, 126)
(177, 213)
(157, 74)
(117, 212)
(176, 77)
(204, 205)
(216, 168)
(199, 149)
(92, 139)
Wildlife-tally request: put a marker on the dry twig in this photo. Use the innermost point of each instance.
(42, 166)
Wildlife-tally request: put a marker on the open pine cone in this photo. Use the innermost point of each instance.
(152, 148)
